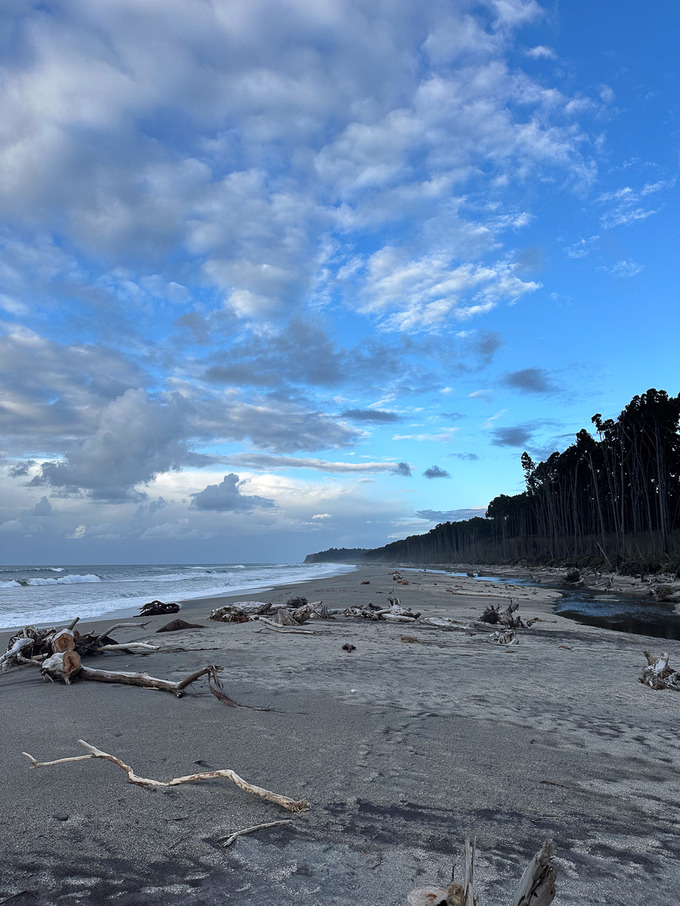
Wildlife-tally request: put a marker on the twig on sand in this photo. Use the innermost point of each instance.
(231, 838)
(291, 805)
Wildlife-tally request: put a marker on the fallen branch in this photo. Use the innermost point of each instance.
(291, 805)
(102, 635)
(249, 830)
(146, 681)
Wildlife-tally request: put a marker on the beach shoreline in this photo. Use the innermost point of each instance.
(403, 746)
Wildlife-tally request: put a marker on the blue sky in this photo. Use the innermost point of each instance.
(280, 276)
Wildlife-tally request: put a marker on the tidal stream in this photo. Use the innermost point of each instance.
(642, 616)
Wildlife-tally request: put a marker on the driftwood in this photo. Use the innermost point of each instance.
(504, 637)
(155, 608)
(226, 613)
(66, 666)
(36, 646)
(275, 627)
(658, 675)
(663, 593)
(395, 613)
(494, 616)
(231, 838)
(291, 805)
(536, 887)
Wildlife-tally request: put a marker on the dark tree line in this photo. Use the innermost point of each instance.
(606, 498)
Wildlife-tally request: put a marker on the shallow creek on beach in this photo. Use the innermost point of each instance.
(620, 612)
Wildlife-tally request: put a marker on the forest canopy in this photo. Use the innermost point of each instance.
(613, 496)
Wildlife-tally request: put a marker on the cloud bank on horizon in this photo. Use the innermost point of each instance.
(267, 269)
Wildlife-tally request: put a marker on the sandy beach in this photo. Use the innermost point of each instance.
(403, 746)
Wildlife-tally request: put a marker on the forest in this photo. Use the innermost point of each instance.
(611, 499)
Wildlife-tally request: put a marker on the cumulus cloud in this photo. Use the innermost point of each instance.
(436, 472)
(228, 496)
(42, 508)
(136, 438)
(403, 468)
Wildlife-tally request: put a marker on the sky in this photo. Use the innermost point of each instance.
(284, 275)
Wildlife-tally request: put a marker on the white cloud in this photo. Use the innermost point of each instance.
(582, 247)
(541, 52)
(627, 205)
(228, 496)
(422, 293)
(443, 437)
(624, 269)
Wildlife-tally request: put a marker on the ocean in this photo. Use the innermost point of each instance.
(54, 595)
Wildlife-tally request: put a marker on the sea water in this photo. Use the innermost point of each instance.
(42, 595)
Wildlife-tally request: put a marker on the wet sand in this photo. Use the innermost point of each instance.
(402, 748)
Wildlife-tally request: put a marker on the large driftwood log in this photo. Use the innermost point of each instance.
(62, 666)
(291, 805)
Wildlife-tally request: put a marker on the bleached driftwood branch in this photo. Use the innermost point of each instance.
(231, 838)
(291, 805)
(658, 675)
(536, 886)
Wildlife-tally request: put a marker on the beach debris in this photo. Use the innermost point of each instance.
(447, 624)
(536, 886)
(274, 627)
(294, 613)
(66, 666)
(410, 639)
(233, 613)
(663, 593)
(157, 608)
(296, 601)
(658, 675)
(504, 637)
(37, 647)
(231, 838)
(573, 577)
(395, 613)
(291, 805)
(494, 616)
(177, 625)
